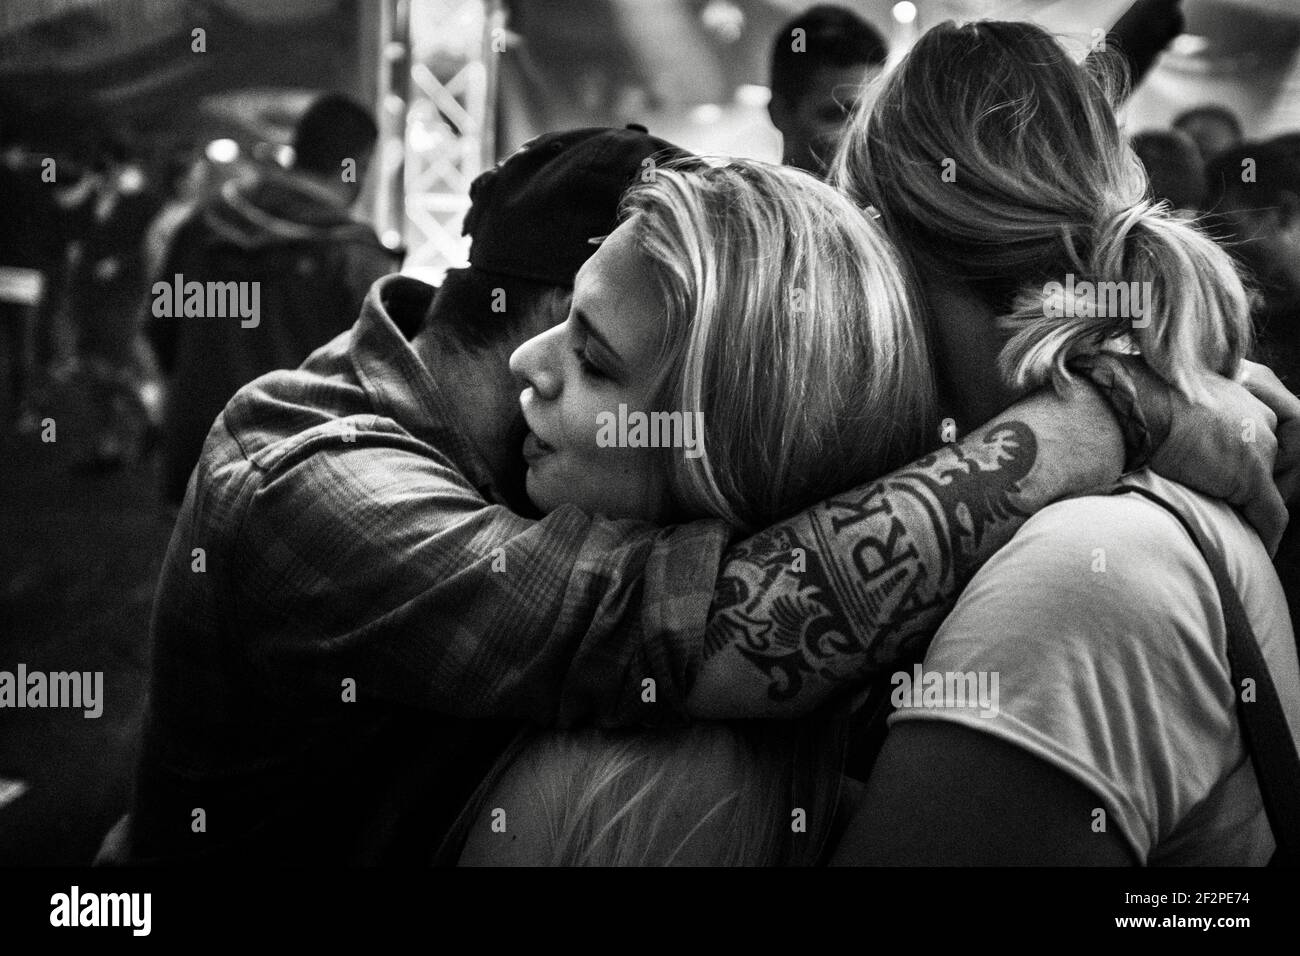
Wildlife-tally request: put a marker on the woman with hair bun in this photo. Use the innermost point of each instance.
(1005, 172)
(996, 163)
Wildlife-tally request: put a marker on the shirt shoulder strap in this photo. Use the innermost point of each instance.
(1264, 727)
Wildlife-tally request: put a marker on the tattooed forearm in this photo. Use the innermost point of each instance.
(860, 578)
(843, 590)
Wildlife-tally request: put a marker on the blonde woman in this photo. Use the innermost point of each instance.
(996, 162)
(766, 312)
(768, 317)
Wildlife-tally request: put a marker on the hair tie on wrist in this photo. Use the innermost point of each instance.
(1108, 372)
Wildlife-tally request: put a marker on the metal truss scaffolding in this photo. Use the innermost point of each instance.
(437, 108)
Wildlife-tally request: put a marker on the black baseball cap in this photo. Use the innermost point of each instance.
(533, 216)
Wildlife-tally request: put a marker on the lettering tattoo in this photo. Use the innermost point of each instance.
(882, 566)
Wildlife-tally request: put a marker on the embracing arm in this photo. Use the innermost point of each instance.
(840, 592)
(1010, 809)
(834, 595)
(365, 555)
(1143, 32)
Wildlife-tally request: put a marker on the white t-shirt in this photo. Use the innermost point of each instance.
(1103, 625)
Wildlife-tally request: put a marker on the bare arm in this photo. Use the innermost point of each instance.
(1010, 809)
(1142, 32)
(834, 595)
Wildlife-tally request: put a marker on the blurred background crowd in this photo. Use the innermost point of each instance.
(122, 117)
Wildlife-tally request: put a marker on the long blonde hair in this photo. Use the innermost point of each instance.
(717, 794)
(996, 160)
(791, 328)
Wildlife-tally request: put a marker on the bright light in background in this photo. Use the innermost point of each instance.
(222, 151)
(903, 34)
(419, 138)
(724, 20)
(706, 114)
(279, 153)
(1189, 44)
(753, 96)
(130, 180)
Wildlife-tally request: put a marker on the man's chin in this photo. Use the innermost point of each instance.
(549, 490)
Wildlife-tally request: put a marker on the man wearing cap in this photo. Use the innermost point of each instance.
(352, 623)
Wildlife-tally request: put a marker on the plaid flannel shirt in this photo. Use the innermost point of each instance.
(344, 600)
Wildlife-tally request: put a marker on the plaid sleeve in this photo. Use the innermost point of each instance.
(375, 560)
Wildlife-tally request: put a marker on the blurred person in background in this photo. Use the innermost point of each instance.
(820, 60)
(188, 178)
(31, 254)
(291, 233)
(1173, 165)
(1255, 206)
(1214, 129)
(106, 282)
(1254, 201)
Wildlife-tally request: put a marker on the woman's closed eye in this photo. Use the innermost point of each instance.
(589, 368)
(588, 363)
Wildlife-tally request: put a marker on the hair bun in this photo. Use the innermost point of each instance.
(1116, 225)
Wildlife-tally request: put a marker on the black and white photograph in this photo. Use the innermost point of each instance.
(629, 434)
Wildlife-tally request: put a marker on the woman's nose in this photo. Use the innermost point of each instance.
(534, 363)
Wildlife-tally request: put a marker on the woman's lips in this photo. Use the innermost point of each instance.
(535, 448)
